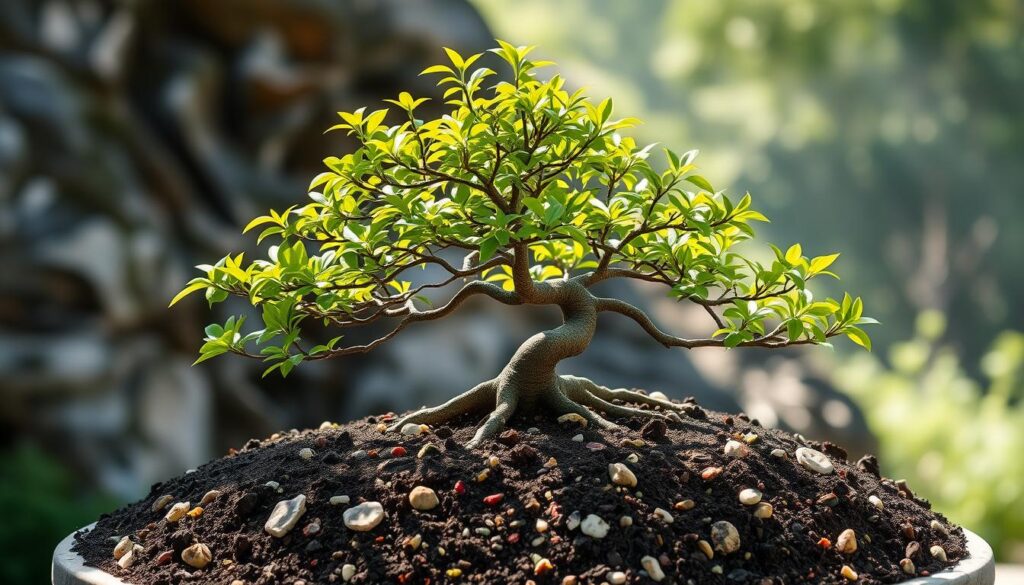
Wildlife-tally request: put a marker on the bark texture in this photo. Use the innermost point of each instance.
(529, 381)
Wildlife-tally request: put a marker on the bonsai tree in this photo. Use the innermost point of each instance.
(524, 192)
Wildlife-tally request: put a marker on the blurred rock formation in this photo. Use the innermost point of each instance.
(135, 139)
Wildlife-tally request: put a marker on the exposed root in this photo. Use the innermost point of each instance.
(624, 395)
(507, 399)
(477, 398)
(570, 394)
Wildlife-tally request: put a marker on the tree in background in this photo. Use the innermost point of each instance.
(542, 198)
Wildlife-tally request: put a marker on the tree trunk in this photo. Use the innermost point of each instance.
(529, 382)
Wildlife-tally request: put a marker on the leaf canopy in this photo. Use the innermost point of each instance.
(518, 165)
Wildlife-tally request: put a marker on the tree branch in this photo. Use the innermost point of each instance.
(477, 287)
(623, 308)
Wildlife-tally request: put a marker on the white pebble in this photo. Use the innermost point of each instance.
(412, 429)
(615, 578)
(876, 502)
(621, 475)
(736, 449)
(339, 500)
(285, 515)
(750, 497)
(306, 453)
(664, 515)
(653, 568)
(129, 557)
(594, 526)
(578, 437)
(348, 570)
(364, 517)
(815, 461)
(177, 511)
(123, 547)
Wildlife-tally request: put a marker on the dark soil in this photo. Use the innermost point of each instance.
(499, 544)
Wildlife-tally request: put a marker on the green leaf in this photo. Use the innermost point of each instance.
(700, 182)
(487, 248)
(859, 337)
(191, 288)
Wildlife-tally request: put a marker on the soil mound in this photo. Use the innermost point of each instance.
(712, 499)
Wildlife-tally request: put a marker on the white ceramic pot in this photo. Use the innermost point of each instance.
(978, 569)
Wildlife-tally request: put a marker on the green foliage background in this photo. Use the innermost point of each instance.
(888, 129)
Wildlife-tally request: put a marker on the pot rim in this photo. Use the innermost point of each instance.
(69, 567)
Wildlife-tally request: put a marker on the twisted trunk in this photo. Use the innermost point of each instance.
(529, 382)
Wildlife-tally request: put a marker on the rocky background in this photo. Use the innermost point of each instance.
(135, 139)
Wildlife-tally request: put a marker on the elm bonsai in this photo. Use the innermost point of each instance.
(535, 189)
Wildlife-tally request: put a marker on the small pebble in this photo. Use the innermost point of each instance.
(625, 521)
(285, 516)
(633, 458)
(779, 454)
(306, 453)
(876, 502)
(908, 567)
(615, 578)
(848, 573)
(543, 566)
(494, 499)
(177, 511)
(428, 450)
(399, 451)
(710, 473)
(209, 497)
(685, 505)
(664, 515)
(198, 555)
(162, 502)
(413, 429)
(123, 547)
(658, 396)
(493, 461)
(938, 553)
(594, 526)
(705, 548)
(750, 497)
(764, 510)
(847, 542)
(551, 463)
(578, 437)
(364, 517)
(348, 570)
(621, 475)
(653, 568)
(573, 418)
(339, 500)
(423, 498)
(815, 461)
(725, 537)
(129, 558)
(573, 521)
(938, 528)
(736, 449)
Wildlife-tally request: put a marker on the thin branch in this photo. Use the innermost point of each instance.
(769, 340)
(471, 289)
